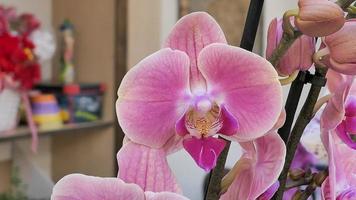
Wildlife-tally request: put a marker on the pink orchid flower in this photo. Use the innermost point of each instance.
(335, 123)
(197, 88)
(340, 113)
(81, 187)
(340, 49)
(317, 18)
(298, 57)
(255, 175)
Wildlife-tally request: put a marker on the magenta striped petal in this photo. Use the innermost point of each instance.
(146, 167)
(246, 84)
(191, 34)
(152, 97)
(81, 187)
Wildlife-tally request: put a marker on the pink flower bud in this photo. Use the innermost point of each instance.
(341, 47)
(298, 57)
(319, 18)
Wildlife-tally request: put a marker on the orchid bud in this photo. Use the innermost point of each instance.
(341, 47)
(318, 18)
(296, 174)
(298, 56)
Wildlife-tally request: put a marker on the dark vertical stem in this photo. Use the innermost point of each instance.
(304, 118)
(292, 104)
(247, 42)
(251, 24)
(121, 16)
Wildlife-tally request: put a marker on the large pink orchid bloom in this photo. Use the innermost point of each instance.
(335, 123)
(81, 187)
(198, 87)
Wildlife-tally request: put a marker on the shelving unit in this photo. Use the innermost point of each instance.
(24, 132)
(87, 148)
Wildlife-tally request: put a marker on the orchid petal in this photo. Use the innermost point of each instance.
(151, 97)
(345, 137)
(334, 79)
(259, 168)
(81, 187)
(342, 171)
(204, 151)
(164, 196)
(246, 84)
(230, 124)
(351, 103)
(267, 195)
(350, 123)
(191, 34)
(181, 129)
(146, 167)
(334, 111)
(303, 159)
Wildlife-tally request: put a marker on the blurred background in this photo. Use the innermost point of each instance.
(84, 48)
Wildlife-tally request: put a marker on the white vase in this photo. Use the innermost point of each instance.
(9, 107)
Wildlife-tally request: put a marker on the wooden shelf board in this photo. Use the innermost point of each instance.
(24, 132)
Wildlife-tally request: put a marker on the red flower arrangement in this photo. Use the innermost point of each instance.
(17, 59)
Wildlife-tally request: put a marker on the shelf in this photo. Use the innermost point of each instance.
(24, 132)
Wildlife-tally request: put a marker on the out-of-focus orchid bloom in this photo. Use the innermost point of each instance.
(298, 57)
(270, 192)
(341, 183)
(340, 49)
(303, 159)
(256, 173)
(340, 113)
(318, 18)
(197, 90)
(81, 187)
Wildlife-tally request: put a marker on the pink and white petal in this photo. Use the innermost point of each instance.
(334, 111)
(174, 144)
(191, 34)
(152, 97)
(262, 165)
(344, 68)
(82, 187)
(164, 196)
(146, 167)
(246, 84)
(334, 79)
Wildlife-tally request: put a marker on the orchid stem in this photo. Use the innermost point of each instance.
(344, 4)
(289, 79)
(320, 103)
(351, 15)
(213, 191)
(292, 104)
(304, 118)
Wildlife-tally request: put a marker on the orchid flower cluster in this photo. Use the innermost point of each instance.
(199, 94)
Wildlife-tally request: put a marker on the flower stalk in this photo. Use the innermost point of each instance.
(304, 118)
(344, 4)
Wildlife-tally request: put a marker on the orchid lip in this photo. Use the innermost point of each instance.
(348, 194)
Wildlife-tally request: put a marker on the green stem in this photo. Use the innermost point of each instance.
(344, 4)
(303, 119)
(286, 41)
